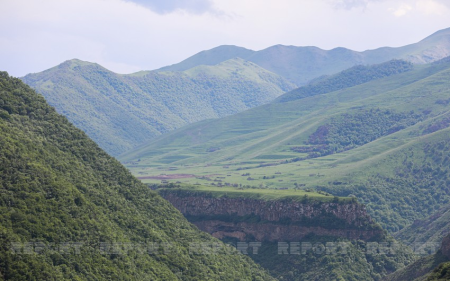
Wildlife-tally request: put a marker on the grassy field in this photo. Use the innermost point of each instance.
(254, 193)
(255, 147)
(389, 167)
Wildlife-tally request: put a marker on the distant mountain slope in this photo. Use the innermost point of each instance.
(356, 75)
(348, 142)
(210, 57)
(122, 111)
(58, 188)
(301, 64)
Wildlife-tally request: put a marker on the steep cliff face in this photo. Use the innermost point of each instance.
(273, 220)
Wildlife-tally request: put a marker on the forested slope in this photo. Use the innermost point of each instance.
(57, 186)
(120, 112)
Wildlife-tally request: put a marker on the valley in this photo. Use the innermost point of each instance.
(288, 163)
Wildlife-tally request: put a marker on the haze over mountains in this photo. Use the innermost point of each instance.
(301, 64)
(372, 127)
(120, 112)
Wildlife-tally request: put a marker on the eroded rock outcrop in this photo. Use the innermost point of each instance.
(273, 220)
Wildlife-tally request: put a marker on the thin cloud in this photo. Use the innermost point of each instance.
(169, 6)
(431, 7)
(401, 10)
(351, 4)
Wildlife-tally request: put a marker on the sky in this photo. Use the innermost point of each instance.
(126, 36)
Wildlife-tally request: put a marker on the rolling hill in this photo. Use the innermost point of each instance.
(302, 64)
(384, 141)
(353, 76)
(69, 211)
(121, 111)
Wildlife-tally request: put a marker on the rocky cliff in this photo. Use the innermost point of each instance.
(273, 220)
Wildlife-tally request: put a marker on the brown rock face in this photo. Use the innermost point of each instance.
(276, 220)
(273, 232)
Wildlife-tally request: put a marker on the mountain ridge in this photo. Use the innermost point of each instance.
(301, 64)
(59, 189)
(121, 111)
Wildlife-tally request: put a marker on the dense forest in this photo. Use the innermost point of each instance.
(353, 260)
(350, 130)
(409, 182)
(120, 112)
(58, 188)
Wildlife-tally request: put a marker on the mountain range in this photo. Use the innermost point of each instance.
(120, 112)
(372, 127)
(69, 211)
(302, 64)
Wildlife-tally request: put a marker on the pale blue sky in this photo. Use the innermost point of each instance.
(168, 6)
(131, 35)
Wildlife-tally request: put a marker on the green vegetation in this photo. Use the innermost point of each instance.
(120, 112)
(356, 75)
(321, 263)
(210, 57)
(433, 267)
(442, 272)
(431, 229)
(407, 184)
(350, 130)
(255, 193)
(58, 186)
(302, 64)
(312, 257)
(386, 142)
(420, 269)
(304, 197)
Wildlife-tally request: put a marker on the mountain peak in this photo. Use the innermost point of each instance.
(77, 62)
(210, 57)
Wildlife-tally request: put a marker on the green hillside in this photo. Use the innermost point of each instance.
(302, 64)
(433, 267)
(210, 57)
(121, 111)
(420, 270)
(353, 76)
(58, 188)
(354, 141)
(356, 264)
(430, 229)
